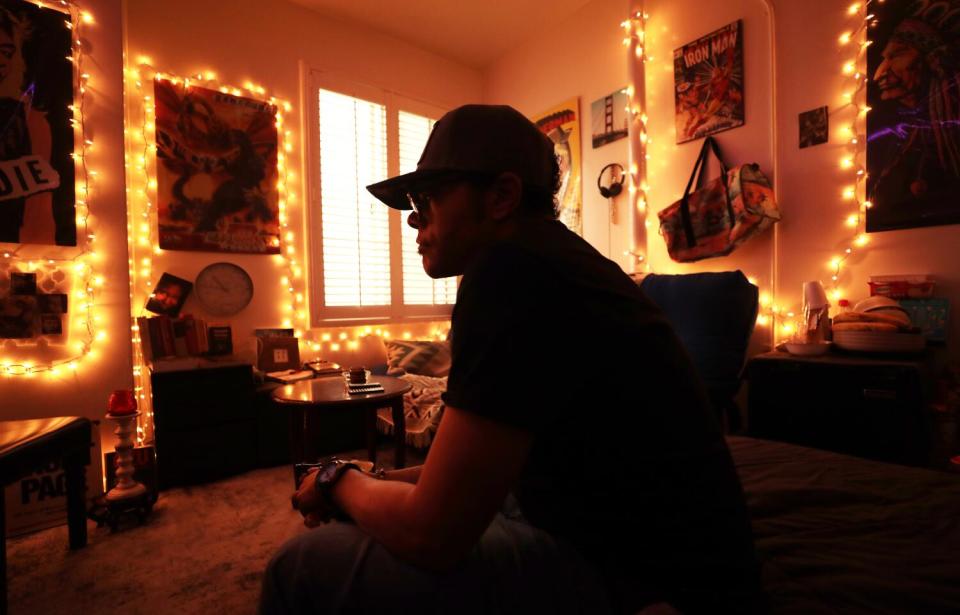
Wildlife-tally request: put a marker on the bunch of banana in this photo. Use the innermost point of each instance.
(891, 320)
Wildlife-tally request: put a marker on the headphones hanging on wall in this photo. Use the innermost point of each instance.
(615, 187)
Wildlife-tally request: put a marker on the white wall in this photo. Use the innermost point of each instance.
(584, 57)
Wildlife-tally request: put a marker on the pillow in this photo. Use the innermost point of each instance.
(421, 357)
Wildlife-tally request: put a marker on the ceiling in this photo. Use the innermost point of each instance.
(471, 32)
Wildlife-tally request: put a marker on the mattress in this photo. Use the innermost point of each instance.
(839, 534)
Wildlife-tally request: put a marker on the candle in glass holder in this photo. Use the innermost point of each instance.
(122, 401)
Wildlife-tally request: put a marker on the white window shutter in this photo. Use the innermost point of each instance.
(418, 287)
(356, 234)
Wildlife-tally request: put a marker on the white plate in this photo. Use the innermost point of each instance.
(807, 350)
(879, 341)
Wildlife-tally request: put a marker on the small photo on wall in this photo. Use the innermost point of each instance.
(54, 303)
(18, 315)
(22, 283)
(169, 295)
(814, 127)
(50, 324)
(608, 118)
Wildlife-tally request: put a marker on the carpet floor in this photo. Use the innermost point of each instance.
(202, 550)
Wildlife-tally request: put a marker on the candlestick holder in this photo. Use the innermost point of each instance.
(126, 486)
(128, 497)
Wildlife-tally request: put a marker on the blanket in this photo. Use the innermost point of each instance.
(422, 409)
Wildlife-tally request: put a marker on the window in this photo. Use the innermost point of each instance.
(366, 266)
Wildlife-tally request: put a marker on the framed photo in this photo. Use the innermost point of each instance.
(169, 295)
(36, 135)
(562, 125)
(53, 303)
(18, 317)
(216, 171)
(608, 118)
(708, 83)
(814, 127)
(913, 135)
(23, 283)
(50, 324)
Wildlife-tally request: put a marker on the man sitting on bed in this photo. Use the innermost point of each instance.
(567, 390)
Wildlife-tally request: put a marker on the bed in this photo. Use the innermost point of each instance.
(838, 534)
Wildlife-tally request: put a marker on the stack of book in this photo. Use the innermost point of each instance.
(163, 337)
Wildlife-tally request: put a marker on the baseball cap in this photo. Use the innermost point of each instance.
(481, 139)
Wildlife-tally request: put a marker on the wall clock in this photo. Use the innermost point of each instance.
(223, 289)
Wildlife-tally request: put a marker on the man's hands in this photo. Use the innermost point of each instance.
(308, 501)
(311, 503)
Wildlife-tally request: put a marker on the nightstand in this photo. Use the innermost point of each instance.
(863, 406)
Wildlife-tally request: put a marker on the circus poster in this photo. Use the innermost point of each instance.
(562, 125)
(216, 171)
(708, 83)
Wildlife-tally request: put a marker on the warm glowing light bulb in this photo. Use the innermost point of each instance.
(853, 220)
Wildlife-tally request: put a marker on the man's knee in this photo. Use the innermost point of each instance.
(312, 572)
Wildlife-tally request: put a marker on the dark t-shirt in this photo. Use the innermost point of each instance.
(628, 463)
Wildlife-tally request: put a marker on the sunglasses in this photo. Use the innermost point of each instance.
(421, 196)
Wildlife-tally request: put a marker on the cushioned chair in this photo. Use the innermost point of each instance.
(27, 445)
(714, 315)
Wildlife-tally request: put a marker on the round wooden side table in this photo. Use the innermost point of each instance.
(308, 398)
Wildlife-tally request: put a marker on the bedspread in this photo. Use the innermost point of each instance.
(838, 534)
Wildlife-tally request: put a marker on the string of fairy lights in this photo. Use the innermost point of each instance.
(854, 161)
(86, 282)
(635, 40)
(856, 42)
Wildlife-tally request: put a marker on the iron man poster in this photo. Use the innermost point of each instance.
(708, 81)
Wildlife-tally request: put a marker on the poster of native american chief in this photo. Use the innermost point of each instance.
(562, 124)
(36, 135)
(913, 128)
(708, 83)
(216, 171)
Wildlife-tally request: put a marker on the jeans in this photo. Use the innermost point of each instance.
(514, 568)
